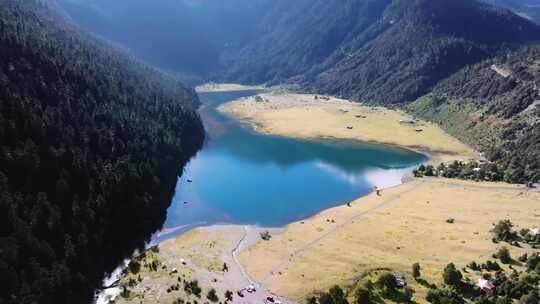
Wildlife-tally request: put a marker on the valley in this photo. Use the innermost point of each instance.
(315, 117)
(344, 245)
(269, 151)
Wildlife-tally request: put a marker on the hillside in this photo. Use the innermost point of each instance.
(294, 38)
(494, 106)
(183, 36)
(382, 52)
(91, 144)
(527, 8)
(379, 51)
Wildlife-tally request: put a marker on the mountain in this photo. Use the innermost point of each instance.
(376, 51)
(182, 36)
(526, 8)
(295, 37)
(388, 52)
(379, 51)
(91, 145)
(495, 107)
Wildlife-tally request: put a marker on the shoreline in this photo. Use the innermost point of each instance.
(404, 177)
(226, 87)
(431, 156)
(170, 234)
(292, 262)
(242, 247)
(298, 116)
(289, 261)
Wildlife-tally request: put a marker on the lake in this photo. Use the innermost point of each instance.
(243, 177)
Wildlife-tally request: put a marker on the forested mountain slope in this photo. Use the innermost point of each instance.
(383, 51)
(296, 37)
(184, 36)
(527, 8)
(376, 51)
(494, 106)
(91, 144)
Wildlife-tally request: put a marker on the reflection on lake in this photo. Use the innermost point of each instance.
(243, 177)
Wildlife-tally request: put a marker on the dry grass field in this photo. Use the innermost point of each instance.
(224, 87)
(199, 254)
(203, 252)
(407, 224)
(303, 116)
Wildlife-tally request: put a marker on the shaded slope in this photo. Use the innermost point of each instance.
(527, 8)
(91, 144)
(425, 42)
(183, 36)
(494, 106)
(378, 51)
(293, 38)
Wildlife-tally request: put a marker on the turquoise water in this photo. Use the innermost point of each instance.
(242, 177)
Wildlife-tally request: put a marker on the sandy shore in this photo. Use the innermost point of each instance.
(303, 116)
(407, 224)
(224, 87)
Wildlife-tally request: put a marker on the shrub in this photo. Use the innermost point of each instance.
(429, 171)
(503, 300)
(492, 266)
(369, 285)
(212, 296)
(503, 232)
(474, 266)
(125, 293)
(192, 287)
(337, 294)
(408, 294)
(416, 270)
(530, 298)
(386, 281)
(362, 295)
(134, 267)
(532, 261)
(228, 295)
(504, 255)
(451, 275)
(451, 220)
(444, 296)
(132, 282)
(266, 236)
(325, 298)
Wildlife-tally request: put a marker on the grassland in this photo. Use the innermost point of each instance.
(203, 251)
(304, 116)
(224, 87)
(207, 255)
(407, 224)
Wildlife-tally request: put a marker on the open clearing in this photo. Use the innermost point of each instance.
(407, 224)
(224, 87)
(303, 116)
(197, 255)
